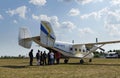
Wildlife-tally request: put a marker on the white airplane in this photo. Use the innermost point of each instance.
(47, 40)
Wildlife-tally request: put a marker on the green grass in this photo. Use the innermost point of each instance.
(99, 68)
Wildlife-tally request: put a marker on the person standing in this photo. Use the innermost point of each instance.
(38, 57)
(57, 57)
(31, 57)
(44, 58)
(41, 58)
(51, 58)
(48, 58)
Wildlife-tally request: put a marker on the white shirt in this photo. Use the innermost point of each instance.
(52, 55)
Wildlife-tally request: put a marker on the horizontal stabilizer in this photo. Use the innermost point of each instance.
(25, 38)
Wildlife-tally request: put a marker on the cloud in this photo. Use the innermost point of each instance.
(113, 29)
(110, 18)
(113, 17)
(97, 15)
(35, 17)
(85, 31)
(38, 2)
(115, 2)
(65, 0)
(1, 17)
(15, 21)
(93, 14)
(68, 25)
(74, 12)
(41, 17)
(83, 2)
(53, 19)
(20, 11)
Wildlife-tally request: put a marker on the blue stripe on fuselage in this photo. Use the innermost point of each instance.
(46, 32)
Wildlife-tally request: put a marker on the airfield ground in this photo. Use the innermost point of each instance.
(99, 68)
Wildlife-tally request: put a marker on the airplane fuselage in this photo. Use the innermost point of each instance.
(71, 50)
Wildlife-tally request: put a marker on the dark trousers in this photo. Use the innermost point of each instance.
(57, 60)
(48, 61)
(31, 60)
(51, 61)
(44, 61)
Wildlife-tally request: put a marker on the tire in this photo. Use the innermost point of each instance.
(65, 61)
(81, 61)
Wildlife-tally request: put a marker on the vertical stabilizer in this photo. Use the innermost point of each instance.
(47, 34)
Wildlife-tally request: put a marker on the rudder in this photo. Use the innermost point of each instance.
(47, 35)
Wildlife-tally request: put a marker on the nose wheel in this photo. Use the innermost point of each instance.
(66, 60)
(90, 60)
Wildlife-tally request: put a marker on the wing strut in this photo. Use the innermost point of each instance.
(93, 49)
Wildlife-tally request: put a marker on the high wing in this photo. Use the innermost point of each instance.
(90, 45)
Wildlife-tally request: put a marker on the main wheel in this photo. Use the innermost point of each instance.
(81, 61)
(90, 60)
(66, 61)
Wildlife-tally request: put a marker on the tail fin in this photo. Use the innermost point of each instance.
(24, 38)
(47, 35)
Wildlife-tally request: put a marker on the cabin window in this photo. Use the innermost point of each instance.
(80, 50)
(71, 49)
(75, 49)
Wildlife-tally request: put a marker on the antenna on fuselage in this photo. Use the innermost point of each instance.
(96, 40)
(73, 41)
(99, 47)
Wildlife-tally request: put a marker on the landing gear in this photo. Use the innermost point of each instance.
(66, 60)
(90, 60)
(81, 61)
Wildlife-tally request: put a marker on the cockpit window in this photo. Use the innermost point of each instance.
(87, 49)
(83, 50)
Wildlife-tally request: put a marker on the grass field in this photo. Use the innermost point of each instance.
(99, 68)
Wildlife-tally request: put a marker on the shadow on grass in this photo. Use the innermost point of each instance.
(86, 64)
(14, 67)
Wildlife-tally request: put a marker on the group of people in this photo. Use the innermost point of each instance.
(44, 59)
(41, 58)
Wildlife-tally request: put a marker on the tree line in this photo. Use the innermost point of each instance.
(97, 54)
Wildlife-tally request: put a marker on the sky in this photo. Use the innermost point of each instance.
(80, 20)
